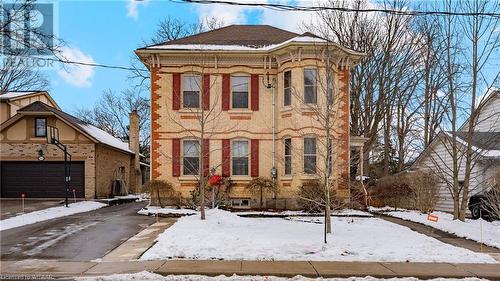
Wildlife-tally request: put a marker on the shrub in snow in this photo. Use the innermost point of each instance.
(262, 187)
(425, 190)
(311, 197)
(393, 192)
(409, 190)
(163, 193)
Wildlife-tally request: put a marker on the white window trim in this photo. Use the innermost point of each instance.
(200, 100)
(248, 157)
(285, 155)
(304, 154)
(290, 87)
(248, 94)
(315, 84)
(182, 157)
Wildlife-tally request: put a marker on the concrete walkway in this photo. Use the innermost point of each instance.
(134, 247)
(442, 236)
(274, 268)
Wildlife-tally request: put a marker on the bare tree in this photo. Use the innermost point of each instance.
(205, 123)
(110, 113)
(169, 29)
(20, 41)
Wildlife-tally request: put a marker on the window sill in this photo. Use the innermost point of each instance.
(190, 110)
(286, 108)
(309, 176)
(188, 178)
(241, 178)
(240, 111)
(286, 178)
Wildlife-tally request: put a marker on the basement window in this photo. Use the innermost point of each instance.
(240, 202)
(40, 127)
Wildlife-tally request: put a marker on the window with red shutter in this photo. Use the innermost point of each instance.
(176, 91)
(226, 84)
(176, 156)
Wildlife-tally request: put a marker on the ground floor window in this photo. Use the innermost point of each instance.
(310, 155)
(240, 158)
(191, 157)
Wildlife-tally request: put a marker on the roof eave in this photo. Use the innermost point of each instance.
(350, 52)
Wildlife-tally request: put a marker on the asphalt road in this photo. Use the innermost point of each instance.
(80, 237)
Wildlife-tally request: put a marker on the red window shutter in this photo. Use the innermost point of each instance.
(206, 91)
(226, 158)
(254, 158)
(206, 157)
(176, 156)
(176, 91)
(226, 85)
(254, 95)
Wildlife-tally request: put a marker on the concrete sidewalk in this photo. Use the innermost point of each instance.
(274, 268)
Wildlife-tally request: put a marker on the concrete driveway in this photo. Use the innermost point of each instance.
(80, 237)
(13, 207)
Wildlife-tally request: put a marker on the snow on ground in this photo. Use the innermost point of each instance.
(147, 276)
(343, 212)
(151, 210)
(224, 235)
(49, 213)
(470, 229)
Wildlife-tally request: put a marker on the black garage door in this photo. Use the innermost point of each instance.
(43, 179)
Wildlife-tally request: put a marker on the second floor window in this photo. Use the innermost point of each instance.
(191, 91)
(287, 88)
(288, 156)
(310, 155)
(240, 158)
(40, 127)
(191, 157)
(310, 85)
(239, 91)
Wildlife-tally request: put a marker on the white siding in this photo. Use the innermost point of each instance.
(438, 159)
(489, 117)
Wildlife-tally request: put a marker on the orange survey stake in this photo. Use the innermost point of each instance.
(432, 217)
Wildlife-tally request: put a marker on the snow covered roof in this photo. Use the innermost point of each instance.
(13, 95)
(239, 38)
(95, 133)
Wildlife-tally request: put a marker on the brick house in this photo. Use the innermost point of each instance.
(30, 165)
(233, 74)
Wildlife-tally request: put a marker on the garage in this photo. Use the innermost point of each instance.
(41, 179)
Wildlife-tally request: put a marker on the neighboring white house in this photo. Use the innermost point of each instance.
(486, 148)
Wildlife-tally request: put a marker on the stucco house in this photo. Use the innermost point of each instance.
(10, 102)
(260, 85)
(31, 166)
(486, 153)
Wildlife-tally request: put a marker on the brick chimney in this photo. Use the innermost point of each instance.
(135, 171)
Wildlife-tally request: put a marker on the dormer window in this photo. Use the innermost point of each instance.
(40, 127)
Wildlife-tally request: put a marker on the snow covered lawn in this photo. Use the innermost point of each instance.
(152, 210)
(49, 213)
(225, 235)
(343, 212)
(148, 276)
(470, 229)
